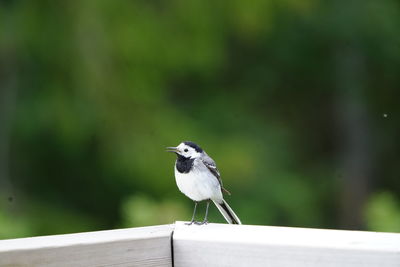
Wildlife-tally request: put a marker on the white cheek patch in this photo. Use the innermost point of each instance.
(194, 154)
(191, 153)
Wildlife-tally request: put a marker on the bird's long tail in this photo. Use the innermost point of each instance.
(227, 212)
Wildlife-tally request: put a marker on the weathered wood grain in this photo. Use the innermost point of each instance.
(244, 245)
(145, 246)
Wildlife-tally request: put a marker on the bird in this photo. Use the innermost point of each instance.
(198, 178)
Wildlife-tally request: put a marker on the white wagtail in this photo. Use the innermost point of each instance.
(198, 178)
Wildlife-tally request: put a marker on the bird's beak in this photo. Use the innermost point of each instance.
(172, 149)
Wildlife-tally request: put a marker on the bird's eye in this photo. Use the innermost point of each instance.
(186, 150)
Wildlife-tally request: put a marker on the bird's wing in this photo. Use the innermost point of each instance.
(210, 164)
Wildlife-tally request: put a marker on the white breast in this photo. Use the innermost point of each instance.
(199, 184)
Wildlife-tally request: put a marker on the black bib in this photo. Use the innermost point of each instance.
(184, 165)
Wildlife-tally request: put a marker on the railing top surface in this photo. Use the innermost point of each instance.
(289, 236)
(87, 237)
(221, 233)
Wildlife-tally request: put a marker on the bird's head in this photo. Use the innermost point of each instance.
(187, 150)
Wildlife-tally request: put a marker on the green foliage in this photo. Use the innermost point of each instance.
(102, 87)
(32, 217)
(383, 213)
(139, 210)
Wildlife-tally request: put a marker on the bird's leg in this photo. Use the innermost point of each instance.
(205, 221)
(194, 213)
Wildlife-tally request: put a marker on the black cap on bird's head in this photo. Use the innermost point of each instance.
(193, 145)
(187, 149)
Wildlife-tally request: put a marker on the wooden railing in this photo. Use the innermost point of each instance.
(207, 245)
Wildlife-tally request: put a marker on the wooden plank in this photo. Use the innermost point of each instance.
(245, 245)
(145, 246)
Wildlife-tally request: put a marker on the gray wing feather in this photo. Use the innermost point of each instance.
(210, 164)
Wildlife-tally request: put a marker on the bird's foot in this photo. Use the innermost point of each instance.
(201, 223)
(192, 222)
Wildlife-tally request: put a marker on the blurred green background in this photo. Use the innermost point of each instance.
(297, 102)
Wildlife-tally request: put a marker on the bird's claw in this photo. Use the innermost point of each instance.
(201, 223)
(197, 223)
